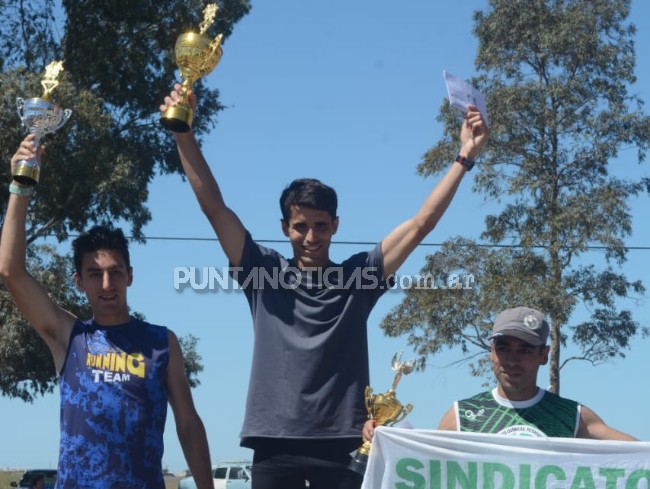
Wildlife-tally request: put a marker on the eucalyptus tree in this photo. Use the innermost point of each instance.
(118, 59)
(559, 80)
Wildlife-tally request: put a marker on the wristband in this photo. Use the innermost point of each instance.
(20, 190)
(466, 162)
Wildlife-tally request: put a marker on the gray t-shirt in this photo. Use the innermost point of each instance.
(310, 357)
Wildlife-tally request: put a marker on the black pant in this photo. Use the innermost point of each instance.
(288, 464)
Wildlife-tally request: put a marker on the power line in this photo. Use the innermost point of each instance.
(373, 243)
(360, 243)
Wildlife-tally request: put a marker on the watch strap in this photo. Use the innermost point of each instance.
(466, 162)
(21, 190)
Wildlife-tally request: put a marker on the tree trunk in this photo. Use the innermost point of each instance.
(554, 357)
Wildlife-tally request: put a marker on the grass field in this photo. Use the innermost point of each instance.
(7, 477)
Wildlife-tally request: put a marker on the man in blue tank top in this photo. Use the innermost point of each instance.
(116, 373)
(517, 406)
(305, 405)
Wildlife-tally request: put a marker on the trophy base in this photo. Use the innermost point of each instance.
(177, 118)
(358, 464)
(26, 174)
(360, 461)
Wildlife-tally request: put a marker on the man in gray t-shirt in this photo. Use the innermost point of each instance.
(311, 356)
(304, 411)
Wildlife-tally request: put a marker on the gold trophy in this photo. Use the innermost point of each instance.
(41, 118)
(385, 409)
(196, 56)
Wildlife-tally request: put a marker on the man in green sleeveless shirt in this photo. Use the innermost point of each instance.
(517, 406)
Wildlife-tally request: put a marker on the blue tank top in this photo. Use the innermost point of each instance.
(113, 406)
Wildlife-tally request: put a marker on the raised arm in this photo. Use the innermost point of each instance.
(51, 322)
(224, 221)
(399, 244)
(189, 427)
(593, 427)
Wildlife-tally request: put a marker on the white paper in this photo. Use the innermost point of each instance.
(462, 94)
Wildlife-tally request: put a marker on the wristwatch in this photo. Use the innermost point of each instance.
(466, 162)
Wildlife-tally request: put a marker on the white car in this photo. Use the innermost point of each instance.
(226, 475)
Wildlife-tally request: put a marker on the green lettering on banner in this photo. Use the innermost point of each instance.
(501, 476)
(583, 479)
(610, 476)
(505, 475)
(545, 472)
(435, 474)
(405, 468)
(524, 477)
(635, 478)
(456, 474)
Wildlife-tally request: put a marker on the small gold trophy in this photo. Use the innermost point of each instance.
(385, 409)
(41, 118)
(196, 56)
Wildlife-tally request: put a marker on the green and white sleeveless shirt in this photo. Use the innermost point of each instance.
(546, 414)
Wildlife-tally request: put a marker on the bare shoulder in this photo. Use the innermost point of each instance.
(592, 426)
(448, 421)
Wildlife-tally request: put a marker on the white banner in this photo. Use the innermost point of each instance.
(432, 459)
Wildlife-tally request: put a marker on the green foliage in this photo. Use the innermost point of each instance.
(27, 33)
(26, 367)
(118, 65)
(191, 358)
(557, 77)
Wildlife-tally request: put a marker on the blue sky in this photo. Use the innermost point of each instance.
(346, 92)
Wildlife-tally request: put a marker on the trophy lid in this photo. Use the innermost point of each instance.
(209, 13)
(49, 81)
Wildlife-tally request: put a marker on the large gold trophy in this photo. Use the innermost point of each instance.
(41, 117)
(196, 56)
(385, 409)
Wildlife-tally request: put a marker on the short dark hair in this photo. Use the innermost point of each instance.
(308, 192)
(101, 237)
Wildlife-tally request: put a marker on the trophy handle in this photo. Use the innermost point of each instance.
(20, 103)
(368, 399)
(405, 410)
(216, 44)
(215, 48)
(66, 115)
